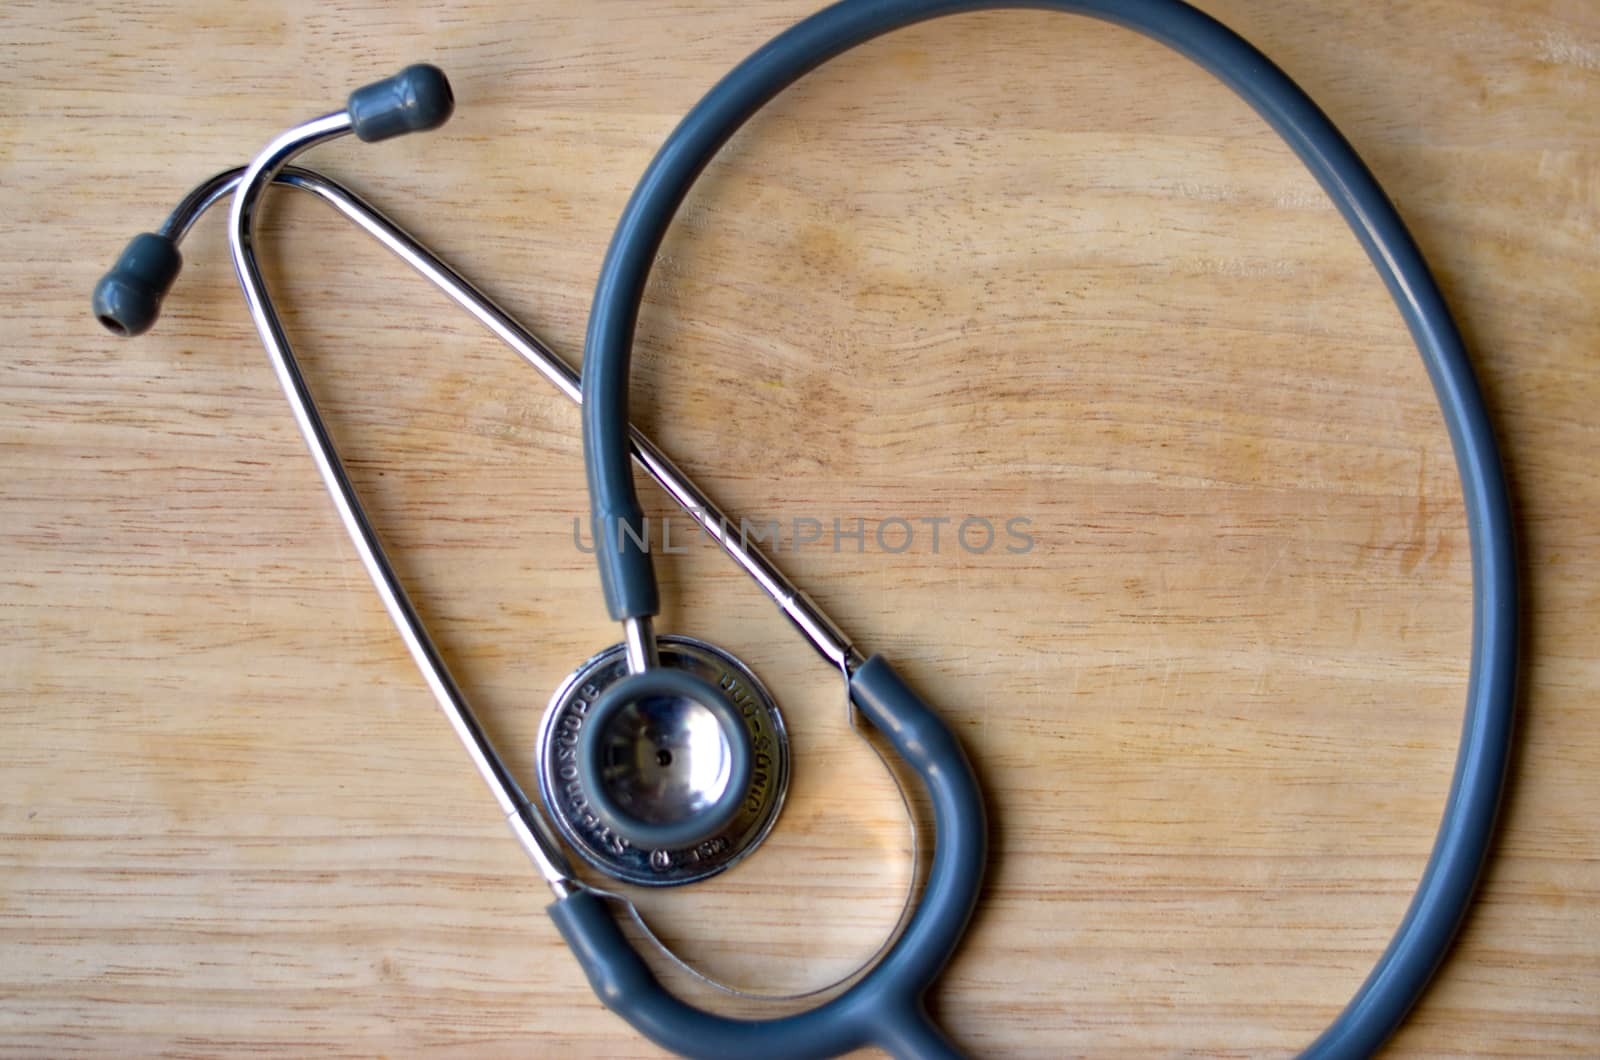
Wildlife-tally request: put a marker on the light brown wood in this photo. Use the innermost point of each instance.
(1010, 265)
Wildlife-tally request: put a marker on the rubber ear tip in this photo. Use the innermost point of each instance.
(127, 300)
(416, 99)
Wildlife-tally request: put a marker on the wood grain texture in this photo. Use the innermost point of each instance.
(1009, 265)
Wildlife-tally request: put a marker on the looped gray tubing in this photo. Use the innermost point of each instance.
(1467, 827)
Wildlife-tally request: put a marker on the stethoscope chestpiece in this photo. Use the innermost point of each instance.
(667, 776)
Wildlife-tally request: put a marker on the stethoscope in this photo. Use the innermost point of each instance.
(663, 759)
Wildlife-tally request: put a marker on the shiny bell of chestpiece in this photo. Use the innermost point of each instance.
(667, 776)
(665, 759)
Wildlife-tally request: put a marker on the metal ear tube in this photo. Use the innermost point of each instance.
(662, 759)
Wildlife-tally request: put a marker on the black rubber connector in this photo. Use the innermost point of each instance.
(127, 299)
(416, 99)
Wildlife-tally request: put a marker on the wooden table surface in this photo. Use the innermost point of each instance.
(1000, 267)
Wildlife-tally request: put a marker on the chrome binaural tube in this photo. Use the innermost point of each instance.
(248, 185)
(819, 630)
(532, 832)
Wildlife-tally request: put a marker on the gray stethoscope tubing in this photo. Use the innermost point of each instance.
(885, 1007)
(628, 580)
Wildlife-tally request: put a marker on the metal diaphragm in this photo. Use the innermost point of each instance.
(571, 806)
